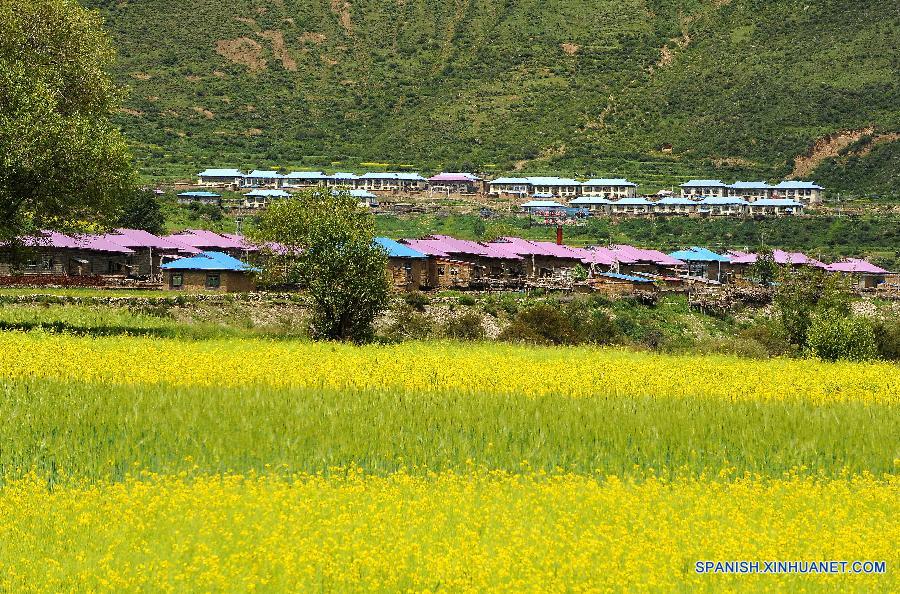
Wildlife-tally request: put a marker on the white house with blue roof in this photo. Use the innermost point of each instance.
(263, 179)
(341, 179)
(557, 187)
(221, 177)
(704, 187)
(261, 197)
(776, 206)
(387, 181)
(804, 191)
(510, 186)
(609, 188)
(303, 179)
(750, 190)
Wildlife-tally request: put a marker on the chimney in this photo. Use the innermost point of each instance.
(559, 235)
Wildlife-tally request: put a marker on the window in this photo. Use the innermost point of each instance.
(212, 281)
(441, 271)
(177, 281)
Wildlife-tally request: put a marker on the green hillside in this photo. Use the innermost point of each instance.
(658, 90)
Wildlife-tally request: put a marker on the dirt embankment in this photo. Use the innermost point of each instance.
(832, 145)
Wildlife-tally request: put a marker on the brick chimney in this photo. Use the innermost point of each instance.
(559, 237)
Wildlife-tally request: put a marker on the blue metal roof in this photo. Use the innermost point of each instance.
(633, 202)
(552, 181)
(393, 175)
(221, 173)
(741, 185)
(200, 194)
(510, 180)
(703, 183)
(268, 194)
(590, 200)
(395, 249)
(776, 202)
(676, 201)
(797, 185)
(699, 254)
(342, 175)
(265, 174)
(723, 201)
(543, 204)
(305, 175)
(628, 277)
(603, 181)
(209, 261)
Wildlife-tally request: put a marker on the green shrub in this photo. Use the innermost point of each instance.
(416, 300)
(467, 326)
(834, 336)
(887, 339)
(541, 324)
(408, 324)
(771, 336)
(467, 300)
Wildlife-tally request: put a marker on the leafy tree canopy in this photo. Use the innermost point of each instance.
(325, 244)
(141, 210)
(62, 163)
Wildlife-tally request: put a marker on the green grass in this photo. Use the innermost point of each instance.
(484, 84)
(198, 322)
(100, 430)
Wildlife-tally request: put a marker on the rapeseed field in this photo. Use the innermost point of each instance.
(238, 465)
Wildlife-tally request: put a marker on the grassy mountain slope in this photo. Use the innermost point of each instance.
(578, 86)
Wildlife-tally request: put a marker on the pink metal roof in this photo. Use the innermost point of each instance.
(203, 239)
(444, 245)
(138, 238)
(642, 255)
(524, 247)
(738, 257)
(57, 240)
(600, 255)
(855, 265)
(782, 257)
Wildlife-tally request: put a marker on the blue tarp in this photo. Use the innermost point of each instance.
(395, 249)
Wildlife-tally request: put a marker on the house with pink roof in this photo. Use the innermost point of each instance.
(51, 252)
(150, 251)
(864, 274)
(455, 259)
(542, 259)
(632, 259)
(209, 241)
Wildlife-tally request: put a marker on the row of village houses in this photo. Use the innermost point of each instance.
(517, 187)
(544, 205)
(204, 260)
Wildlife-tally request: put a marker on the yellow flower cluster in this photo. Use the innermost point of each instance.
(475, 531)
(440, 367)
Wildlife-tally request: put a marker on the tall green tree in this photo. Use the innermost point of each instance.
(325, 244)
(141, 210)
(62, 163)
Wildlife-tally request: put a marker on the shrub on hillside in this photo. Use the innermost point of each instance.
(416, 300)
(466, 326)
(771, 336)
(833, 336)
(541, 324)
(408, 324)
(887, 339)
